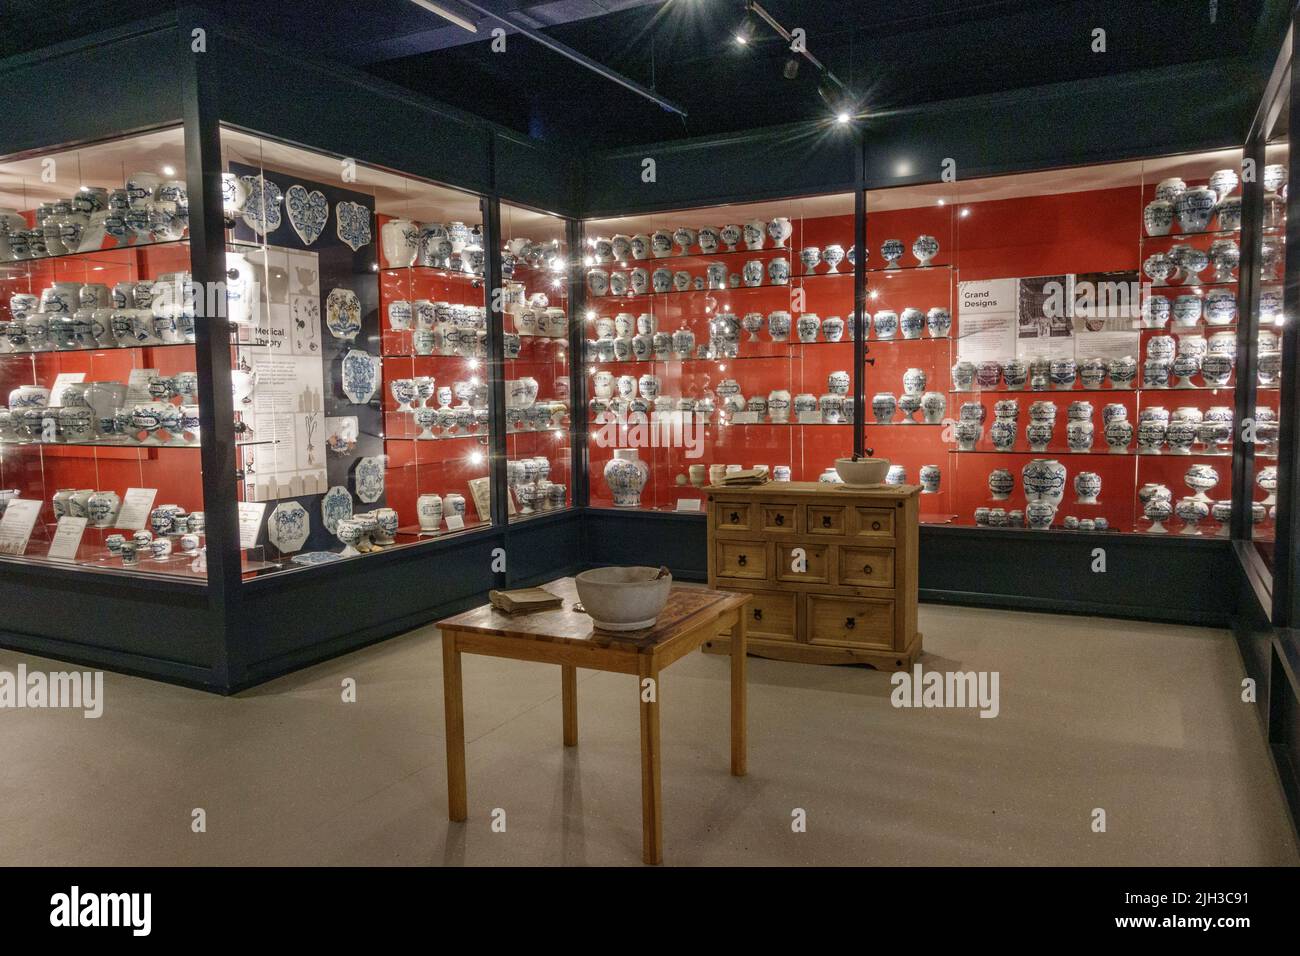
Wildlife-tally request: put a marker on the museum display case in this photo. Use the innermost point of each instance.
(1057, 349)
(99, 436)
(358, 309)
(717, 339)
(535, 272)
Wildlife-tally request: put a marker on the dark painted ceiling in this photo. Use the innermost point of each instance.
(891, 54)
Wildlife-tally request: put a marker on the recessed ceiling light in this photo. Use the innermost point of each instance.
(169, 170)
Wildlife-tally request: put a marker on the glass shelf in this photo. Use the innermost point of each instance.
(90, 254)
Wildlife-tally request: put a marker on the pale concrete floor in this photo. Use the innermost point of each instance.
(1142, 720)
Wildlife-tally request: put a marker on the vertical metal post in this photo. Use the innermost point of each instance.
(578, 415)
(491, 207)
(218, 452)
(1244, 396)
(860, 297)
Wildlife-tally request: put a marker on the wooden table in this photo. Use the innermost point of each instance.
(564, 636)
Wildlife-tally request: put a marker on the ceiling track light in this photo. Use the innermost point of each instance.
(447, 14)
(831, 89)
(555, 46)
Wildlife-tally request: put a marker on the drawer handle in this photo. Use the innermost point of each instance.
(826, 521)
(735, 517)
(742, 560)
(849, 623)
(875, 526)
(780, 520)
(866, 569)
(758, 614)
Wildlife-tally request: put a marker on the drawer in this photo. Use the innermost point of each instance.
(742, 559)
(873, 522)
(732, 516)
(860, 621)
(815, 563)
(779, 519)
(824, 519)
(771, 615)
(867, 567)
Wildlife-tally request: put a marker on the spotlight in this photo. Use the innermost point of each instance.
(842, 118)
(791, 69)
(745, 32)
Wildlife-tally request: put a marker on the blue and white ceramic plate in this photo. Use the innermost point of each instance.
(360, 376)
(308, 212)
(343, 314)
(262, 208)
(311, 558)
(352, 220)
(288, 526)
(370, 478)
(336, 505)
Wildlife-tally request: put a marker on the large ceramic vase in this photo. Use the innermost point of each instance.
(1043, 480)
(626, 475)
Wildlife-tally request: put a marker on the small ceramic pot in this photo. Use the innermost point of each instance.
(938, 320)
(911, 322)
(886, 324)
(933, 405)
(1087, 486)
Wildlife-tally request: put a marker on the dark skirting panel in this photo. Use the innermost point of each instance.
(646, 537)
(161, 629)
(1174, 578)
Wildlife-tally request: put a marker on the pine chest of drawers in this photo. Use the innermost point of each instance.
(832, 572)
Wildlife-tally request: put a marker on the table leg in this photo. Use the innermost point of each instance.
(738, 742)
(652, 824)
(569, 693)
(454, 701)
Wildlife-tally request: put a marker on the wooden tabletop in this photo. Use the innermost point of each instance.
(685, 609)
(769, 488)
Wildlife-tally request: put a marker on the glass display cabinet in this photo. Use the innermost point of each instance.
(358, 307)
(717, 339)
(1057, 349)
(99, 436)
(535, 271)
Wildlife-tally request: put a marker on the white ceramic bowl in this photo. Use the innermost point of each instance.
(863, 472)
(623, 598)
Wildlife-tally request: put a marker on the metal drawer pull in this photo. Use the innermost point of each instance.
(866, 569)
(780, 519)
(742, 560)
(849, 623)
(875, 526)
(735, 517)
(826, 521)
(758, 614)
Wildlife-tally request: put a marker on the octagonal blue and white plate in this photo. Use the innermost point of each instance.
(370, 478)
(288, 526)
(343, 314)
(335, 506)
(360, 376)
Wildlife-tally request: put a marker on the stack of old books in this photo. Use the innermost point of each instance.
(745, 477)
(524, 600)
